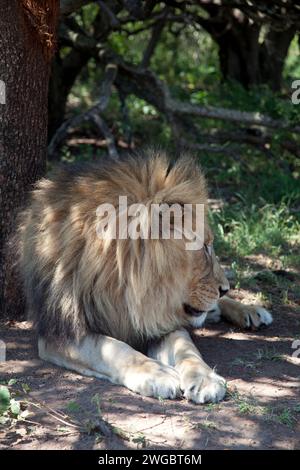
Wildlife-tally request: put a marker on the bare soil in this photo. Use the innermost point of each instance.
(68, 411)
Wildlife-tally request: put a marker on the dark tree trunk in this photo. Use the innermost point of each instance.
(242, 57)
(63, 75)
(245, 60)
(66, 69)
(26, 40)
(272, 56)
(238, 41)
(238, 53)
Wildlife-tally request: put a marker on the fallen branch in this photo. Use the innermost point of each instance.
(92, 114)
(231, 115)
(146, 85)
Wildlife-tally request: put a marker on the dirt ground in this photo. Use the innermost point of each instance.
(68, 411)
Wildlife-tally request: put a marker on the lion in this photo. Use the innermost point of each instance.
(122, 308)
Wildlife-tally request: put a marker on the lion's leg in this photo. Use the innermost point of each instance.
(197, 380)
(108, 358)
(244, 316)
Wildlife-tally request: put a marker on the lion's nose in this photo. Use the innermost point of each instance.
(223, 291)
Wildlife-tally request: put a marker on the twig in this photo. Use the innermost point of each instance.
(155, 36)
(53, 413)
(125, 118)
(114, 22)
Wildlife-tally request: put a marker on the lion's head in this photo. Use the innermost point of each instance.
(130, 289)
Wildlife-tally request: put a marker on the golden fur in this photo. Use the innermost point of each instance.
(129, 289)
(93, 301)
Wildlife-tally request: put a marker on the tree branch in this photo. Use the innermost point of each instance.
(231, 115)
(92, 114)
(155, 36)
(114, 21)
(146, 85)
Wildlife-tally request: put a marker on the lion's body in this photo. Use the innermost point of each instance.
(131, 289)
(79, 286)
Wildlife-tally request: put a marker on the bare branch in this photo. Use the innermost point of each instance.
(109, 138)
(92, 114)
(114, 22)
(231, 115)
(126, 124)
(155, 36)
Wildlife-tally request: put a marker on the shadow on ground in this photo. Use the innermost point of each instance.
(261, 410)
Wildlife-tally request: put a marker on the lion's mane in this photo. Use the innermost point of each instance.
(76, 283)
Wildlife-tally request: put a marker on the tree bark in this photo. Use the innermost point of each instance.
(26, 41)
(238, 54)
(272, 55)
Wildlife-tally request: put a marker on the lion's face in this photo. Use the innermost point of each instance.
(207, 284)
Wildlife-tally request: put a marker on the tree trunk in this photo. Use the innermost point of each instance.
(242, 57)
(63, 75)
(272, 55)
(26, 40)
(245, 60)
(238, 53)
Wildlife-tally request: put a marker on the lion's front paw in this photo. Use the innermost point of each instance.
(244, 316)
(253, 316)
(204, 388)
(153, 379)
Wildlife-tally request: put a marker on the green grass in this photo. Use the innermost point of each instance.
(249, 405)
(248, 229)
(286, 417)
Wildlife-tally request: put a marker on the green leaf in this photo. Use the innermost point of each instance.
(12, 382)
(4, 399)
(15, 407)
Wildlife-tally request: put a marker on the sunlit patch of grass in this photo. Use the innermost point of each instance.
(248, 230)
